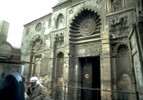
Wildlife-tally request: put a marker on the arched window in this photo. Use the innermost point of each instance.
(60, 21)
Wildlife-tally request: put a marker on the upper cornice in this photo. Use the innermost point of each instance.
(67, 3)
(45, 16)
(61, 5)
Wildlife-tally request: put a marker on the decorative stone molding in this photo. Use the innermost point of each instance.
(59, 39)
(119, 48)
(88, 51)
(38, 27)
(70, 11)
(37, 43)
(98, 1)
(118, 26)
(116, 5)
(62, 5)
(116, 21)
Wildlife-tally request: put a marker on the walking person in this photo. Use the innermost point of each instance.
(35, 90)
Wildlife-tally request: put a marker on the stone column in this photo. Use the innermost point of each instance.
(53, 76)
(105, 66)
(108, 6)
(114, 87)
(74, 76)
(66, 77)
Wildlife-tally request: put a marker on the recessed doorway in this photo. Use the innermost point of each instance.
(90, 77)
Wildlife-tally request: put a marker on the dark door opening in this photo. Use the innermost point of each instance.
(90, 78)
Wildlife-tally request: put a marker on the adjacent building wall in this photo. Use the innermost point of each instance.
(4, 27)
(9, 56)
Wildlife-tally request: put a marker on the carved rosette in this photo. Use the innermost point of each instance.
(86, 27)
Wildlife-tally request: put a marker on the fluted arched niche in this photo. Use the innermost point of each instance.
(86, 24)
(59, 67)
(123, 68)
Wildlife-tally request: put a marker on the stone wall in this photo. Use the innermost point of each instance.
(77, 29)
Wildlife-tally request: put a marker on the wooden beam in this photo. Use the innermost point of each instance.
(15, 62)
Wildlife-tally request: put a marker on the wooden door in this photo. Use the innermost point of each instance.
(86, 79)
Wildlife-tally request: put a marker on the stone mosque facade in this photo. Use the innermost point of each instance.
(93, 48)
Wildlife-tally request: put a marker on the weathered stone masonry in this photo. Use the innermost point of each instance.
(87, 43)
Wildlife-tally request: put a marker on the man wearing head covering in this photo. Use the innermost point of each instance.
(12, 88)
(36, 91)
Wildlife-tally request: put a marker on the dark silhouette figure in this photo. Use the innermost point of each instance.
(12, 88)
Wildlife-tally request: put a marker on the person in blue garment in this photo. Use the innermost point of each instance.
(12, 88)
